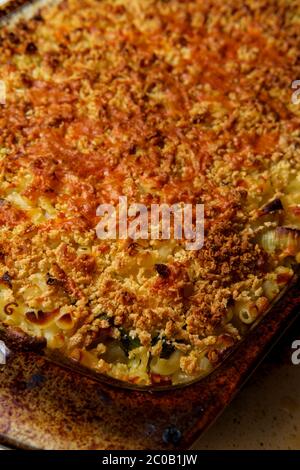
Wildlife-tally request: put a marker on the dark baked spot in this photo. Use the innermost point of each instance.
(163, 270)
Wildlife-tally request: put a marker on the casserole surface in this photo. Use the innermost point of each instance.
(162, 102)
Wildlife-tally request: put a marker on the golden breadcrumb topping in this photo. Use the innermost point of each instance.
(163, 102)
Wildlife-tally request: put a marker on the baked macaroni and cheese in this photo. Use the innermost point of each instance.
(163, 102)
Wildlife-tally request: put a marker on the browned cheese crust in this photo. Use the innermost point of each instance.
(159, 101)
